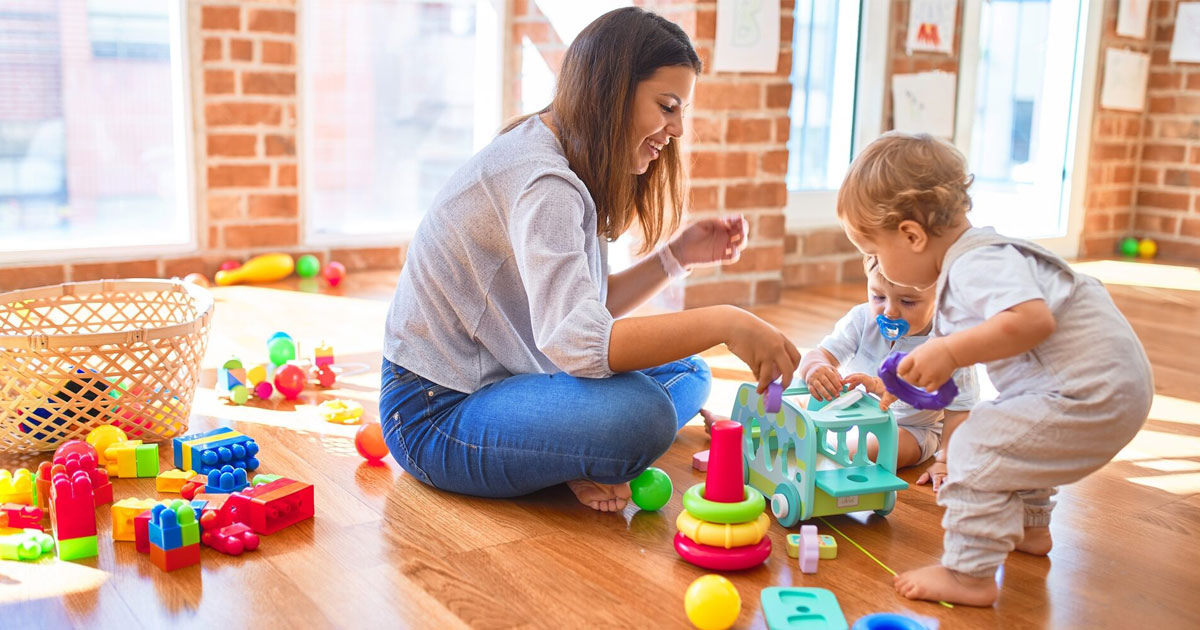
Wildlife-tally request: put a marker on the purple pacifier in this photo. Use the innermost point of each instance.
(911, 394)
(891, 329)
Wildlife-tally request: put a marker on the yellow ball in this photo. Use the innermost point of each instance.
(1147, 248)
(712, 603)
(103, 437)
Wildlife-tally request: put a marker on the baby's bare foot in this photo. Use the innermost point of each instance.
(709, 419)
(1036, 542)
(937, 583)
(601, 496)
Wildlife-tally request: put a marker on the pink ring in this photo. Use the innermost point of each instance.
(719, 559)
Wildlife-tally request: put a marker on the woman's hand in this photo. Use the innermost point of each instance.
(710, 241)
(763, 348)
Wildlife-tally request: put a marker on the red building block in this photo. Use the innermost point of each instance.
(141, 532)
(270, 507)
(175, 558)
(101, 487)
(43, 486)
(231, 539)
(192, 486)
(72, 506)
(20, 516)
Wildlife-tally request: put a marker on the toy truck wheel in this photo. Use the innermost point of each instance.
(889, 502)
(786, 505)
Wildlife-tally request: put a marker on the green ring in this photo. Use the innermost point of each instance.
(746, 510)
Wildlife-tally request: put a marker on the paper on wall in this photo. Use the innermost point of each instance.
(1185, 45)
(1125, 75)
(747, 36)
(1131, 18)
(931, 25)
(924, 103)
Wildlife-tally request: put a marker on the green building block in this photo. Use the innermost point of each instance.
(147, 460)
(802, 609)
(26, 546)
(190, 533)
(264, 478)
(77, 548)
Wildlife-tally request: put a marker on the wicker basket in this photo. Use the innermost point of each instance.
(81, 355)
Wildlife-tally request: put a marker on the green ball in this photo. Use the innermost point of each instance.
(1129, 246)
(239, 394)
(651, 490)
(281, 350)
(307, 266)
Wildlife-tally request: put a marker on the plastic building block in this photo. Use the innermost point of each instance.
(173, 526)
(16, 486)
(77, 548)
(147, 460)
(141, 532)
(700, 461)
(178, 558)
(270, 507)
(190, 487)
(810, 549)
(172, 480)
(72, 506)
(203, 452)
(226, 480)
(264, 478)
(41, 487)
(26, 546)
(102, 489)
(123, 513)
(826, 547)
(340, 411)
(132, 459)
(793, 545)
(20, 516)
(103, 437)
(795, 608)
(231, 539)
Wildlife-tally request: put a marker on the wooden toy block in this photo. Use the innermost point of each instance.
(26, 545)
(323, 356)
(827, 547)
(178, 558)
(173, 526)
(232, 539)
(102, 489)
(700, 461)
(270, 507)
(123, 514)
(172, 480)
(230, 374)
(793, 545)
(809, 549)
(16, 486)
(226, 480)
(203, 452)
(72, 506)
(20, 516)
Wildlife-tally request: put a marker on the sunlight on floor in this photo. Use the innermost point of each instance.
(1172, 409)
(1142, 274)
(1182, 484)
(51, 577)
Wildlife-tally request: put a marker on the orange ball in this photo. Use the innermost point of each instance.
(369, 442)
(197, 279)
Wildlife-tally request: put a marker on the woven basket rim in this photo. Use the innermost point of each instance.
(202, 298)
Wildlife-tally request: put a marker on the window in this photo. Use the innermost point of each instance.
(838, 54)
(1020, 94)
(92, 128)
(398, 95)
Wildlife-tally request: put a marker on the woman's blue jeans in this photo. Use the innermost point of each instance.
(532, 431)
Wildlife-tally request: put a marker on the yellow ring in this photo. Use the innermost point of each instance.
(725, 535)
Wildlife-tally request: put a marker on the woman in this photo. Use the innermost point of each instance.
(507, 367)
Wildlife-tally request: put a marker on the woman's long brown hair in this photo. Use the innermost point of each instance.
(593, 113)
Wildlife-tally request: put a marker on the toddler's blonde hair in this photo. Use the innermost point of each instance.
(905, 177)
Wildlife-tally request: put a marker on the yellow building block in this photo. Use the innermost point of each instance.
(122, 459)
(172, 480)
(16, 486)
(123, 513)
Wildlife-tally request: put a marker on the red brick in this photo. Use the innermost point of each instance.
(13, 278)
(260, 235)
(360, 259)
(286, 175)
(791, 244)
(703, 198)
(722, 292)
(280, 144)
(1178, 129)
(1181, 177)
(853, 271)
(767, 226)
(767, 291)
(1095, 222)
(1179, 104)
(717, 96)
(273, 206)
(278, 52)
(1162, 33)
(748, 130)
(180, 267)
(241, 49)
(1195, 156)
(212, 49)
(706, 25)
(1155, 223)
(222, 207)
(232, 176)
(1160, 57)
(1179, 250)
(779, 95)
(269, 83)
(223, 114)
(272, 21)
(219, 82)
(1165, 79)
(232, 145)
(1122, 175)
(784, 64)
(537, 32)
(810, 273)
(769, 195)
(118, 269)
(1097, 246)
(1110, 151)
(1165, 200)
(775, 162)
(1148, 175)
(220, 18)
(707, 129)
(1190, 227)
(825, 242)
(708, 164)
(768, 258)
(783, 129)
(1193, 80)
(1164, 152)
(787, 28)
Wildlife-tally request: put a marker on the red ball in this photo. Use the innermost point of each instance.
(76, 446)
(369, 442)
(290, 381)
(333, 273)
(230, 265)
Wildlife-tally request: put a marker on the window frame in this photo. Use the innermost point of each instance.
(180, 16)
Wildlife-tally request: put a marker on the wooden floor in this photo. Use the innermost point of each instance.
(387, 551)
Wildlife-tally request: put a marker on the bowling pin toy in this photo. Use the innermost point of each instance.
(264, 268)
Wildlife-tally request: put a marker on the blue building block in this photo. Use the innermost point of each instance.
(205, 452)
(226, 480)
(172, 526)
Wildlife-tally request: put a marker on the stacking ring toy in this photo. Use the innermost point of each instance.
(887, 621)
(915, 396)
(726, 535)
(719, 559)
(745, 510)
(891, 329)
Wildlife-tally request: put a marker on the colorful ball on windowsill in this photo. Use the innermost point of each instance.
(1147, 248)
(1129, 247)
(333, 273)
(307, 266)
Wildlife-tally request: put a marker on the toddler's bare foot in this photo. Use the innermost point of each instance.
(937, 583)
(1036, 542)
(601, 496)
(709, 419)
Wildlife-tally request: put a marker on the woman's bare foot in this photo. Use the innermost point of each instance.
(1036, 542)
(601, 496)
(937, 583)
(709, 419)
